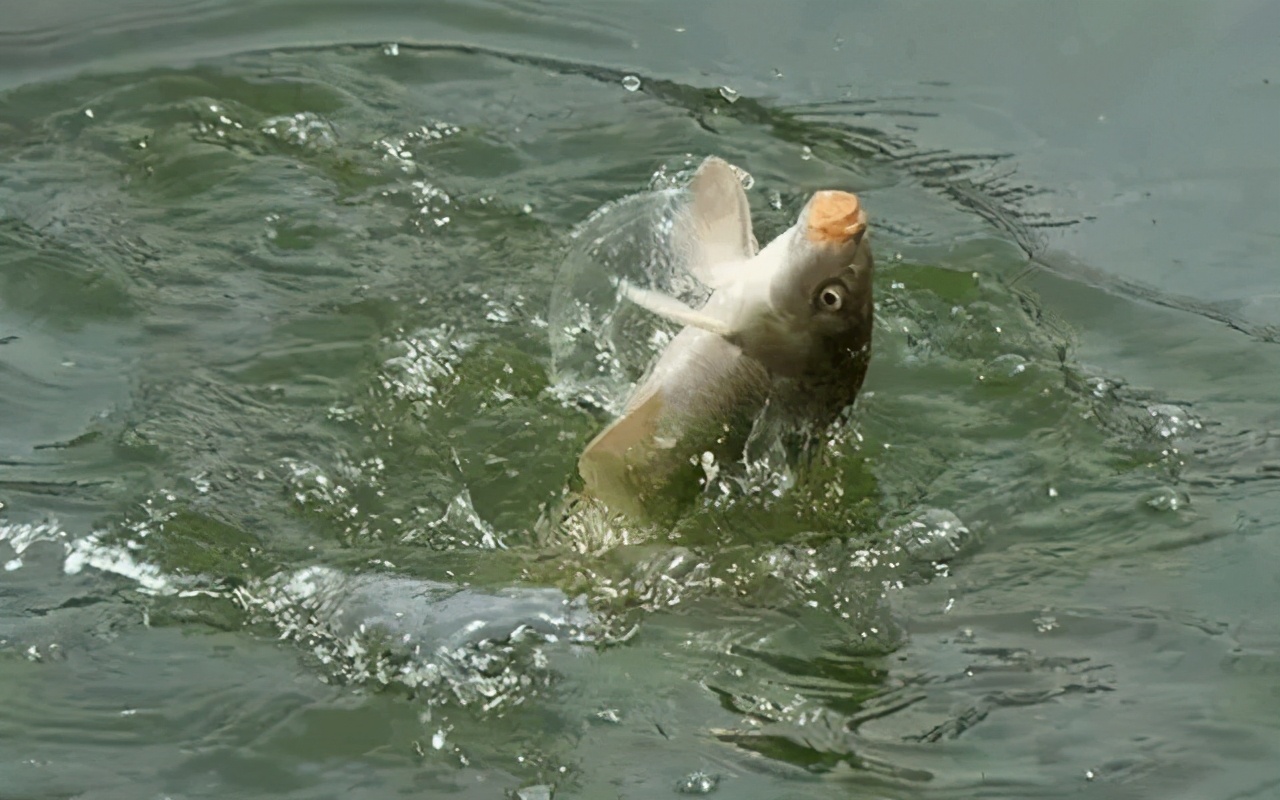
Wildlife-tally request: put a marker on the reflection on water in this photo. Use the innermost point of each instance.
(357, 302)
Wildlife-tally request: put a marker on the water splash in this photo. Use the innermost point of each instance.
(698, 783)
(427, 369)
(305, 130)
(459, 526)
(599, 344)
(90, 551)
(403, 151)
(451, 644)
(431, 204)
(21, 536)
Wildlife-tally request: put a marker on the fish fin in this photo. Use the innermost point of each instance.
(606, 463)
(668, 307)
(638, 423)
(717, 224)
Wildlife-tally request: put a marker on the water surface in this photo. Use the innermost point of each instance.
(285, 445)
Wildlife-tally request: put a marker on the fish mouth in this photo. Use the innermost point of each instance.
(835, 218)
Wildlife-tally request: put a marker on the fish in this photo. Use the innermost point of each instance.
(788, 325)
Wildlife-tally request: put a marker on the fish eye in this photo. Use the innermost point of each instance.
(830, 297)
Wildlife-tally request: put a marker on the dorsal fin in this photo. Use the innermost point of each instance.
(716, 227)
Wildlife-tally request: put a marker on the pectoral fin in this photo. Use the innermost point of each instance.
(668, 307)
(716, 228)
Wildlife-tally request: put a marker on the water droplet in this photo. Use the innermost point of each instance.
(1006, 370)
(1167, 499)
(806, 153)
(391, 49)
(698, 783)
(1172, 419)
(729, 94)
(1045, 623)
(631, 83)
(304, 129)
(744, 177)
(709, 466)
(88, 112)
(526, 208)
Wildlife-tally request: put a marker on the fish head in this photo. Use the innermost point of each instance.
(811, 308)
(823, 280)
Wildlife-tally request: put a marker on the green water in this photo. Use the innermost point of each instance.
(286, 434)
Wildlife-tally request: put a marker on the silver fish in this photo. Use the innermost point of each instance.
(789, 324)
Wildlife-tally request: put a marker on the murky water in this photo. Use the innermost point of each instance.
(290, 409)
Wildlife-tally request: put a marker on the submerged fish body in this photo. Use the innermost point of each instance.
(789, 324)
